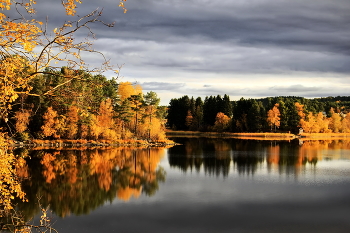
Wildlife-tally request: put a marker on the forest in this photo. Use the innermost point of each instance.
(270, 114)
(89, 108)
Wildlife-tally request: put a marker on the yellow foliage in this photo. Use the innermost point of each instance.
(127, 89)
(50, 122)
(10, 186)
(222, 122)
(273, 116)
(72, 122)
(22, 120)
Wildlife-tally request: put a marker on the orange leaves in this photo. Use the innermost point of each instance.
(335, 122)
(23, 33)
(300, 109)
(72, 122)
(222, 122)
(70, 6)
(121, 4)
(102, 126)
(13, 73)
(50, 122)
(127, 89)
(5, 4)
(273, 117)
(22, 120)
(49, 171)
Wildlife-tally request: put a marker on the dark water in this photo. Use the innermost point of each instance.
(203, 185)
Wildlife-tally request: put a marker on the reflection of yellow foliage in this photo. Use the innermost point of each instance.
(9, 183)
(273, 155)
(126, 193)
(22, 168)
(48, 171)
(221, 152)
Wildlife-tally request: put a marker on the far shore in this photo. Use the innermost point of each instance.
(260, 136)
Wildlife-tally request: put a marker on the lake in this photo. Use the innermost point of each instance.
(202, 185)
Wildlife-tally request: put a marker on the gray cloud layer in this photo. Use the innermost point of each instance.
(257, 47)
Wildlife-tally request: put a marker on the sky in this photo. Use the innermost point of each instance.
(243, 48)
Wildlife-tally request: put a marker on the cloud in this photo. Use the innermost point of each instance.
(154, 86)
(295, 88)
(199, 47)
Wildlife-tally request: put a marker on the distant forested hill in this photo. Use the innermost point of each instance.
(282, 113)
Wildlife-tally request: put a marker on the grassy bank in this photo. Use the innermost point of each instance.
(325, 135)
(260, 136)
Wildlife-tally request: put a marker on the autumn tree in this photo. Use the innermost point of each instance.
(346, 123)
(335, 122)
(22, 120)
(105, 119)
(222, 122)
(72, 122)
(127, 89)
(51, 123)
(273, 117)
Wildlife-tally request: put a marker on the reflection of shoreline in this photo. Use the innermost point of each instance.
(216, 156)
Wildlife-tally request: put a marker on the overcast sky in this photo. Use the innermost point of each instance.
(243, 48)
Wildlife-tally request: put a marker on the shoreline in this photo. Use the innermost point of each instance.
(260, 136)
(65, 143)
(50, 144)
(287, 136)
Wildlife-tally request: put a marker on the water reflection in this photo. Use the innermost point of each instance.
(216, 156)
(78, 181)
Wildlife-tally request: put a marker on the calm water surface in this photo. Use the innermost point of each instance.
(203, 185)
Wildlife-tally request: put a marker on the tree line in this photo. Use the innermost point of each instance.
(282, 114)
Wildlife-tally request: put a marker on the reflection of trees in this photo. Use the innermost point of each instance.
(78, 181)
(214, 156)
(247, 155)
